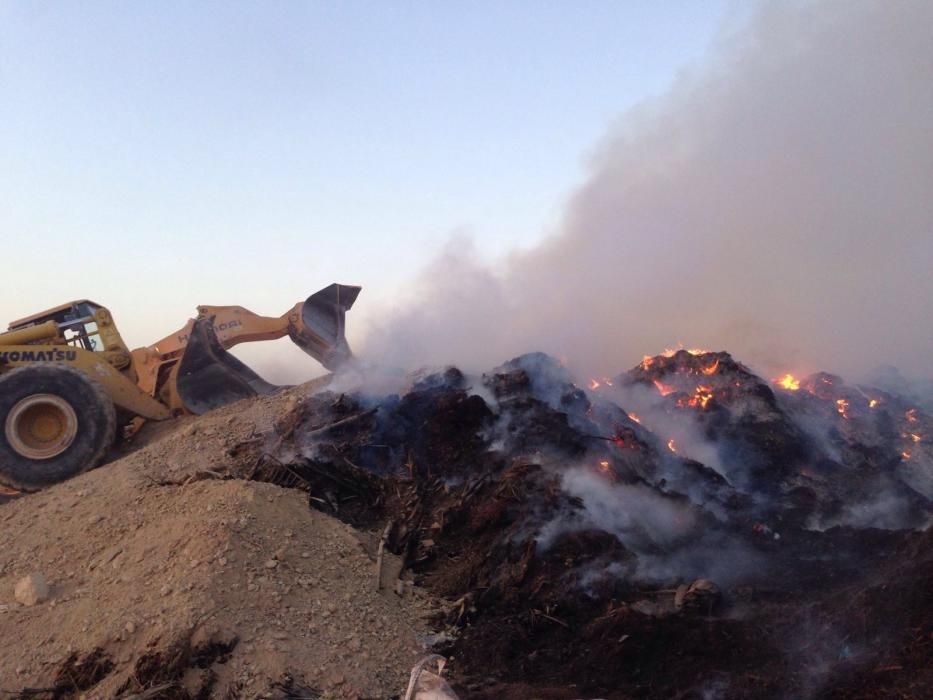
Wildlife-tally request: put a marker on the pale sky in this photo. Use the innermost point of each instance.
(159, 155)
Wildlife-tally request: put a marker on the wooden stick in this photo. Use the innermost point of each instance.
(379, 555)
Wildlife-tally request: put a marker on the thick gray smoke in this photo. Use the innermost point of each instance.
(778, 204)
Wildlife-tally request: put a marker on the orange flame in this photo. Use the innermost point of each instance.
(700, 398)
(604, 465)
(664, 388)
(647, 360)
(789, 382)
(915, 437)
(594, 384)
(905, 454)
(873, 402)
(710, 369)
(841, 407)
(634, 417)
(911, 415)
(671, 446)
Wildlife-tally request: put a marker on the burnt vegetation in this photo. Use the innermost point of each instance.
(685, 529)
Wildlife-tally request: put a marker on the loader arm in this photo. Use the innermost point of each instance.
(315, 325)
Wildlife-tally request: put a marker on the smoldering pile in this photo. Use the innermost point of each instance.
(674, 529)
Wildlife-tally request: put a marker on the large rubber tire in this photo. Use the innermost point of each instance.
(92, 407)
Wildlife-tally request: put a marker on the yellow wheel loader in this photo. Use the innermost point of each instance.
(68, 381)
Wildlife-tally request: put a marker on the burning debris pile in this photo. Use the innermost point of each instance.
(683, 529)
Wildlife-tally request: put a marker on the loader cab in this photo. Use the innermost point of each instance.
(80, 327)
(82, 324)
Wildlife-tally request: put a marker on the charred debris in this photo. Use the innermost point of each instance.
(684, 529)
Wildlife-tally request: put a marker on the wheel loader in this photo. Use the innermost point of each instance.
(68, 381)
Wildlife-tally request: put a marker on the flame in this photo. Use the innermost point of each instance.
(789, 382)
(594, 384)
(634, 417)
(604, 465)
(911, 415)
(915, 437)
(648, 360)
(841, 407)
(873, 402)
(710, 369)
(905, 454)
(702, 395)
(671, 446)
(664, 388)
(619, 441)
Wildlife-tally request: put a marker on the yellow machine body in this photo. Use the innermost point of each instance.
(151, 382)
(88, 341)
(69, 383)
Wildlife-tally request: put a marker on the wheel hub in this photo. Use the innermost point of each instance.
(41, 426)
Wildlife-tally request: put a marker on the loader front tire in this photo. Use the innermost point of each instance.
(55, 422)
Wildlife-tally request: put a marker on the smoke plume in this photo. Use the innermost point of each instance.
(777, 202)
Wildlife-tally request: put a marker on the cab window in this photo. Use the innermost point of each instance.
(85, 336)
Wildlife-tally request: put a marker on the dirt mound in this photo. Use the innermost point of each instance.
(169, 580)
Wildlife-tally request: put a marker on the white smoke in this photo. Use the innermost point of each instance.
(666, 534)
(642, 519)
(777, 204)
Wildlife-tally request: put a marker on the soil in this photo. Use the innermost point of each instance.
(169, 575)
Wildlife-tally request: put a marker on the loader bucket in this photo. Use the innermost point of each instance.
(320, 331)
(209, 376)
